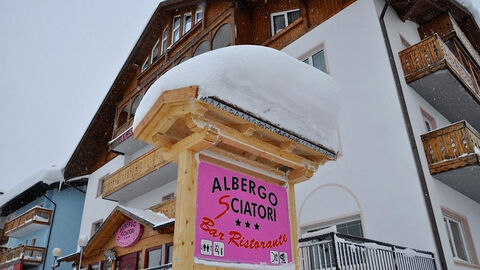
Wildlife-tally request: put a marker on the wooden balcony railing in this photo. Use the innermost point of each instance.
(3, 237)
(25, 254)
(430, 55)
(451, 147)
(36, 215)
(166, 207)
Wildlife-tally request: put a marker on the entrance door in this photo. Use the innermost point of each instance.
(128, 262)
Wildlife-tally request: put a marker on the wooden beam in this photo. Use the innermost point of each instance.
(300, 175)
(292, 212)
(287, 146)
(185, 212)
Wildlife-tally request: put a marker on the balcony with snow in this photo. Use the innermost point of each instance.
(26, 255)
(449, 85)
(327, 249)
(453, 155)
(206, 102)
(32, 220)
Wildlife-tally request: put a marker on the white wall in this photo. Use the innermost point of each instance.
(376, 175)
(441, 194)
(153, 197)
(96, 208)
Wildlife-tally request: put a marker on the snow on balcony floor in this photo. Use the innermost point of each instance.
(265, 82)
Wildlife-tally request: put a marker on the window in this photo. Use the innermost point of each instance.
(164, 40)
(222, 37)
(350, 226)
(33, 242)
(155, 52)
(154, 257)
(168, 253)
(428, 120)
(198, 15)
(123, 116)
(135, 104)
(176, 29)
(282, 19)
(202, 48)
(168, 197)
(100, 185)
(456, 237)
(187, 22)
(145, 65)
(96, 226)
(459, 237)
(317, 60)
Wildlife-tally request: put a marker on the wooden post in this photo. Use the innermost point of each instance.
(292, 210)
(184, 236)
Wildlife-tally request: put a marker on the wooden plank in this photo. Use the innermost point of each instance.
(184, 237)
(292, 212)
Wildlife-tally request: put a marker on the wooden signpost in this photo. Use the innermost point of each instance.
(235, 204)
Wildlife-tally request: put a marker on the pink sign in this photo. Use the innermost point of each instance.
(240, 219)
(129, 233)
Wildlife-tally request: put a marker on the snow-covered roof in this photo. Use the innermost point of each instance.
(468, 4)
(262, 81)
(47, 176)
(152, 218)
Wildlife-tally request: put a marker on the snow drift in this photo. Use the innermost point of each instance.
(264, 82)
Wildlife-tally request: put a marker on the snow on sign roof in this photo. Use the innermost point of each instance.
(154, 219)
(262, 81)
(47, 176)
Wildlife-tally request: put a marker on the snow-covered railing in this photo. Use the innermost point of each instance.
(447, 146)
(338, 251)
(37, 214)
(25, 254)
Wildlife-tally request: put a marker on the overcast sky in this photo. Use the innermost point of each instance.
(58, 59)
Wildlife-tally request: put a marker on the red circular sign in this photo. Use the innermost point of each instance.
(129, 233)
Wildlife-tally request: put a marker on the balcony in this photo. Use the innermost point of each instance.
(453, 157)
(3, 237)
(436, 74)
(167, 208)
(28, 222)
(338, 251)
(125, 143)
(27, 255)
(142, 175)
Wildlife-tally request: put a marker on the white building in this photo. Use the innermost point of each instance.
(381, 187)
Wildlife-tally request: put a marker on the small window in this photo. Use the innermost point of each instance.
(168, 197)
(187, 22)
(456, 237)
(281, 20)
(135, 104)
(317, 59)
(145, 64)
(198, 15)
(176, 29)
(96, 226)
(33, 242)
(428, 120)
(155, 52)
(202, 48)
(168, 253)
(154, 257)
(164, 40)
(222, 37)
(349, 226)
(100, 184)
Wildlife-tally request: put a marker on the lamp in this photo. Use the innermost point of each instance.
(82, 242)
(56, 252)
